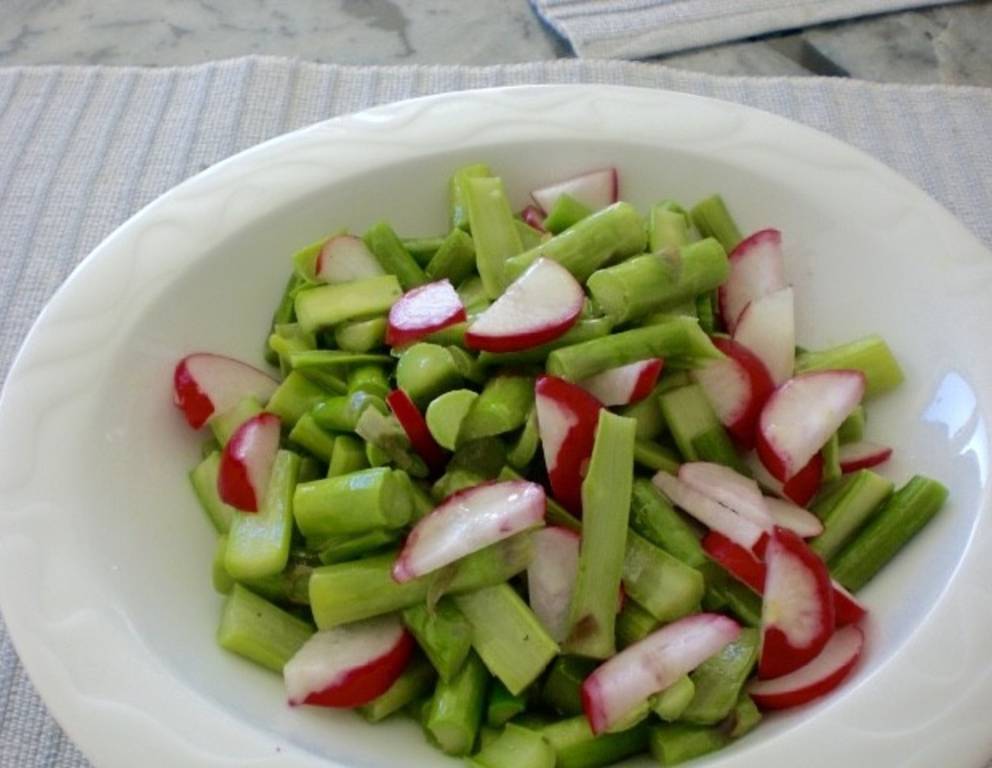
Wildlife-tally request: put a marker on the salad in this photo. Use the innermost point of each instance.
(559, 484)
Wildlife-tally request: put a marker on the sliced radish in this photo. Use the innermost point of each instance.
(350, 665)
(551, 578)
(626, 384)
(619, 686)
(862, 455)
(413, 423)
(344, 258)
(596, 189)
(246, 462)
(767, 327)
(538, 307)
(739, 562)
(797, 613)
(729, 488)
(797, 519)
(847, 608)
(468, 521)
(567, 416)
(205, 384)
(819, 676)
(800, 489)
(802, 414)
(710, 513)
(737, 387)
(757, 269)
(423, 310)
(533, 217)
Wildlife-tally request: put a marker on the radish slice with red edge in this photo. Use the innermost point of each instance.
(800, 521)
(797, 613)
(350, 665)
(538, 307)
(800, 489)
(818, 677)
(423, 310)
(862, 455)
(596, 189)
(625, 384)
(729, 488)
(767, 327)
(205, 384)
(533, 217)
(413, 423)
(710, 513)
(757, 269)
(551, 578)
(567, 416)
(246, 462)
(616, 688)
(847, 608)
(801, 416)
(344, 258)
(468, 521)
(737, 387)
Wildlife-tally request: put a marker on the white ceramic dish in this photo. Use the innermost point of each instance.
(104, 556)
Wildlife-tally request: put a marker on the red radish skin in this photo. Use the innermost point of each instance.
(415, 426)
(468, 521)
(767, 327)
(538, 307)
(533, 217)
(567, 416)
(551, 578)
(737, 388)
(863, 455)
(625, 384)
(623, 683)
(350, 665)
(800, 489)
(801, 415)
(711, 513)
(205, 384)
(757, 269)
(596, 189)
(847, 608)
(246, 462)
(797, 519)
(817, 678)
(344, 258)
(423, 310)
(797, 615)
(731, 489)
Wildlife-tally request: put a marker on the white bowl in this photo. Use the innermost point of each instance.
(105, 557)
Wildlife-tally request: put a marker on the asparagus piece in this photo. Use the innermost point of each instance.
(203, 478)
(846, 510)
(423, 504)
(370, 378)
(668, 226)
(705, 306)
(698, 432)
(342, 412)
(219, 577)
(566, 212)
(467, 365)
(294, 397)
(258, 542)
(450, 336)
(454, 480)
(425, 371)
(258, 630)
(830, 453)
(870, 355)
(329, 305)
(675, 743)
(665, 586)
(334, 359)
(647, 414)
(354, 503)
(361, 589)
(347, 456)
(443, 633)
(454, 260)
(507, 635)
(584, 330)
(515, 747)
(725, 593)
(678, 337)
(901, 517)
(720, 680)
(575, 745)
(634, 624)
(361, 335)
(524, 448)
(745, 717)
(713, 220)
(416, 681)
(503, 406)
(284, 313)
(310, 469)
(654, 518)
(612, 233)
(493, 230)
(673, 701)
(455, 711)
(473, 295)
(503, 706)
(529, 237)
(606, 493)
(446, 413)
(341, 549)
(655, 456)
(853, 428)
(457, 205)
(485, 456)
(393, 257)
(308, 435)
(226, 423)
(562, 689)
(422, 248)
(289, 586)
(659, 281)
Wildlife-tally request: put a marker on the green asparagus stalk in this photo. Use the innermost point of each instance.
(698, 432)
(724, 593)
(309, 436)
(524, 447)
(745, 717)
(853, 428)
(443, 633)
(425, 371)
(575, 745)
(329, 305)
(446, 413)
(634, 624)
(503, 706)
(485, 456)
(361, 335)
(529, 237)
(204, 481)
(655, 456)
(341, 549)
(349, 504)
(256, 629)
(676, 743)
(493, 230)
(647, 414)
(562, 689)
(845, 511)
(516, 747)
(584, 330)
(370, 378)
(347, 456)
(456, 709)
(416, 681)
(673, 701)
(294, 397)
(457, 205)
(226, 423)
(668, 226)
(473, 294)
(830, 453)
(393, 257)
(870, 355)
(502, 406)
(665, 586)
(654, 518)
(454, 260)
(705, 309)
(284, 313)
(342, 412)
(566, 212)
(712, 219)
(422, 248)
(720, 680)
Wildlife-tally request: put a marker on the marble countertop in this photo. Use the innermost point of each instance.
(948, 44)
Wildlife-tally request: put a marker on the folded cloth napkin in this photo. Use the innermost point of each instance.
(637, 29)
(82, 149)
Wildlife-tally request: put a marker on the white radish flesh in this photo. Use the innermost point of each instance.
(757, 269)
(729, 488)
(595, 190)
(344, 258)
(551, 578)
(246, 462)
(800, 521)
(862, 455)
(767, 327)
(205, 384)
(625, 384)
